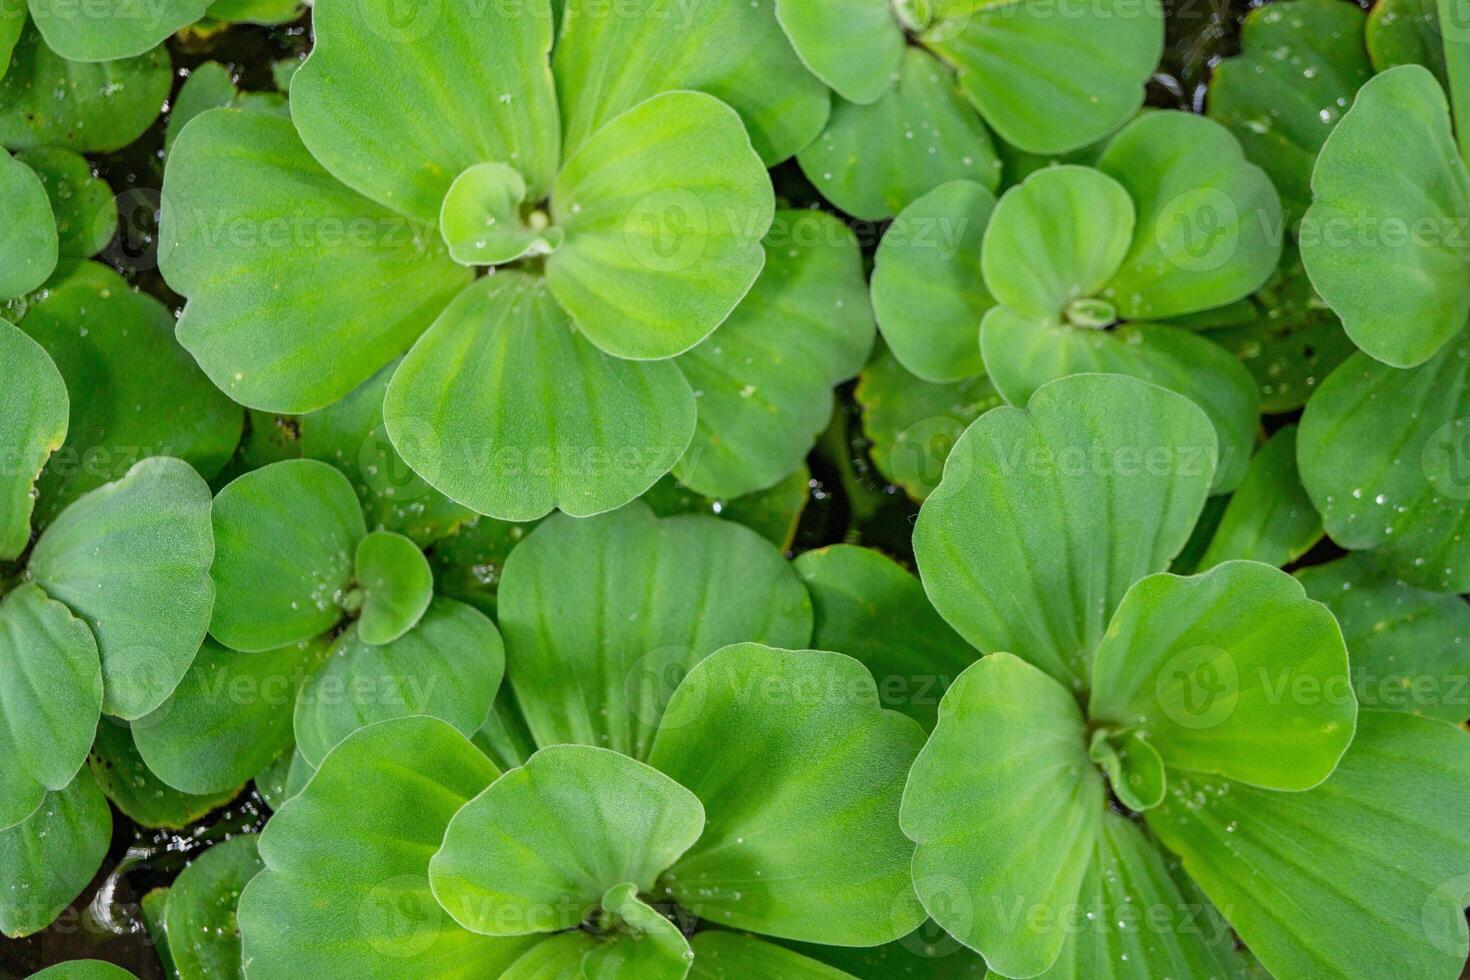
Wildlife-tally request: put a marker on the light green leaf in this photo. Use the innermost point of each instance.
(283, 778)
(381, 103)
(855, 46)
(267, 12)
(133, 788)
(1300, 65)
(12, 22)
(34, 408)
(152, 907)
(733, 51)
(396, 586)
(1209, 228)
(112, 29)
(535, 851)
(84, 970)
(720, 955)
(46, 861)
(1233, 672)
(28, 241)
(449, 667)
(83, 205)
(1138, 916)
(1006, 809)
(1290, 339)
(299, 289)
(49, 703)
(1390, 189)
(764, 380)
(481, 218)
(870, 608)
(285, 536)
(663, 208)
(1055, 240)
(1133, 767)
(643, 945)
(557, 956)
(1034, 534)
(345, 888)
(200, 916)
(806, 846)
(134, 391)
(928, 289)
(913, 424)
(46, 100)
(603, 618)
(504, 737)
(1053, 77)
(1363, 876)
(151, 526)
(872, 161)
(229, 717)
(350, 435)
(508, 409)
(1385, 456)
(1410, 649)
(212, 86)
(1024, 354)
(1269, 518)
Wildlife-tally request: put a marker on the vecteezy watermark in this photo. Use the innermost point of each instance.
(1446, 459)
(1198, 687)
(668, 230)
(1199, 231)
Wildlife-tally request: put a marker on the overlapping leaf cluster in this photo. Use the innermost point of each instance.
(459, 513)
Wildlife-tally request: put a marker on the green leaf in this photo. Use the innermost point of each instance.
(48, 859)
(1406, 32)
(602, 618)
(84, 970)
(350, 435)
(1053, 77)
(928, 289)
(134, 391)
(1032, 538)
(1006, 809)
(605, 65)
(212, 86)
(82, 202)
(381, 103)
(200, 916)
(46, 100)
(285, 537)
(112, 29)
(283, 778)
(1209, 227)
(396, 585)
(278, 314)
(913, 424)
(34, 409)
(481, 218)
(345, 888)
(1290, 339)
(1410, 649)
(151, 526)
(152, 907)
(12, 22)
(535, 851)
(1024, 354)
(229, 717)
(872, 161)
(870, 608)
(504, 737)
(28, 242)
(1362, 876)
(928, 952)
(132, 787)
(507, 408)
(1300, 65)
(1057, 238)
(663, 208)
(1390, 188)
(449, 666)
(772, 513)
(1385, 457)
(720, 955)
(855, 46)
(806, 846)
(1200, 666)
(1270, 518)
(1132, 765)
(267, 12)
(764, 380)
(560, 955)
(50, 701)
(643, 945)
